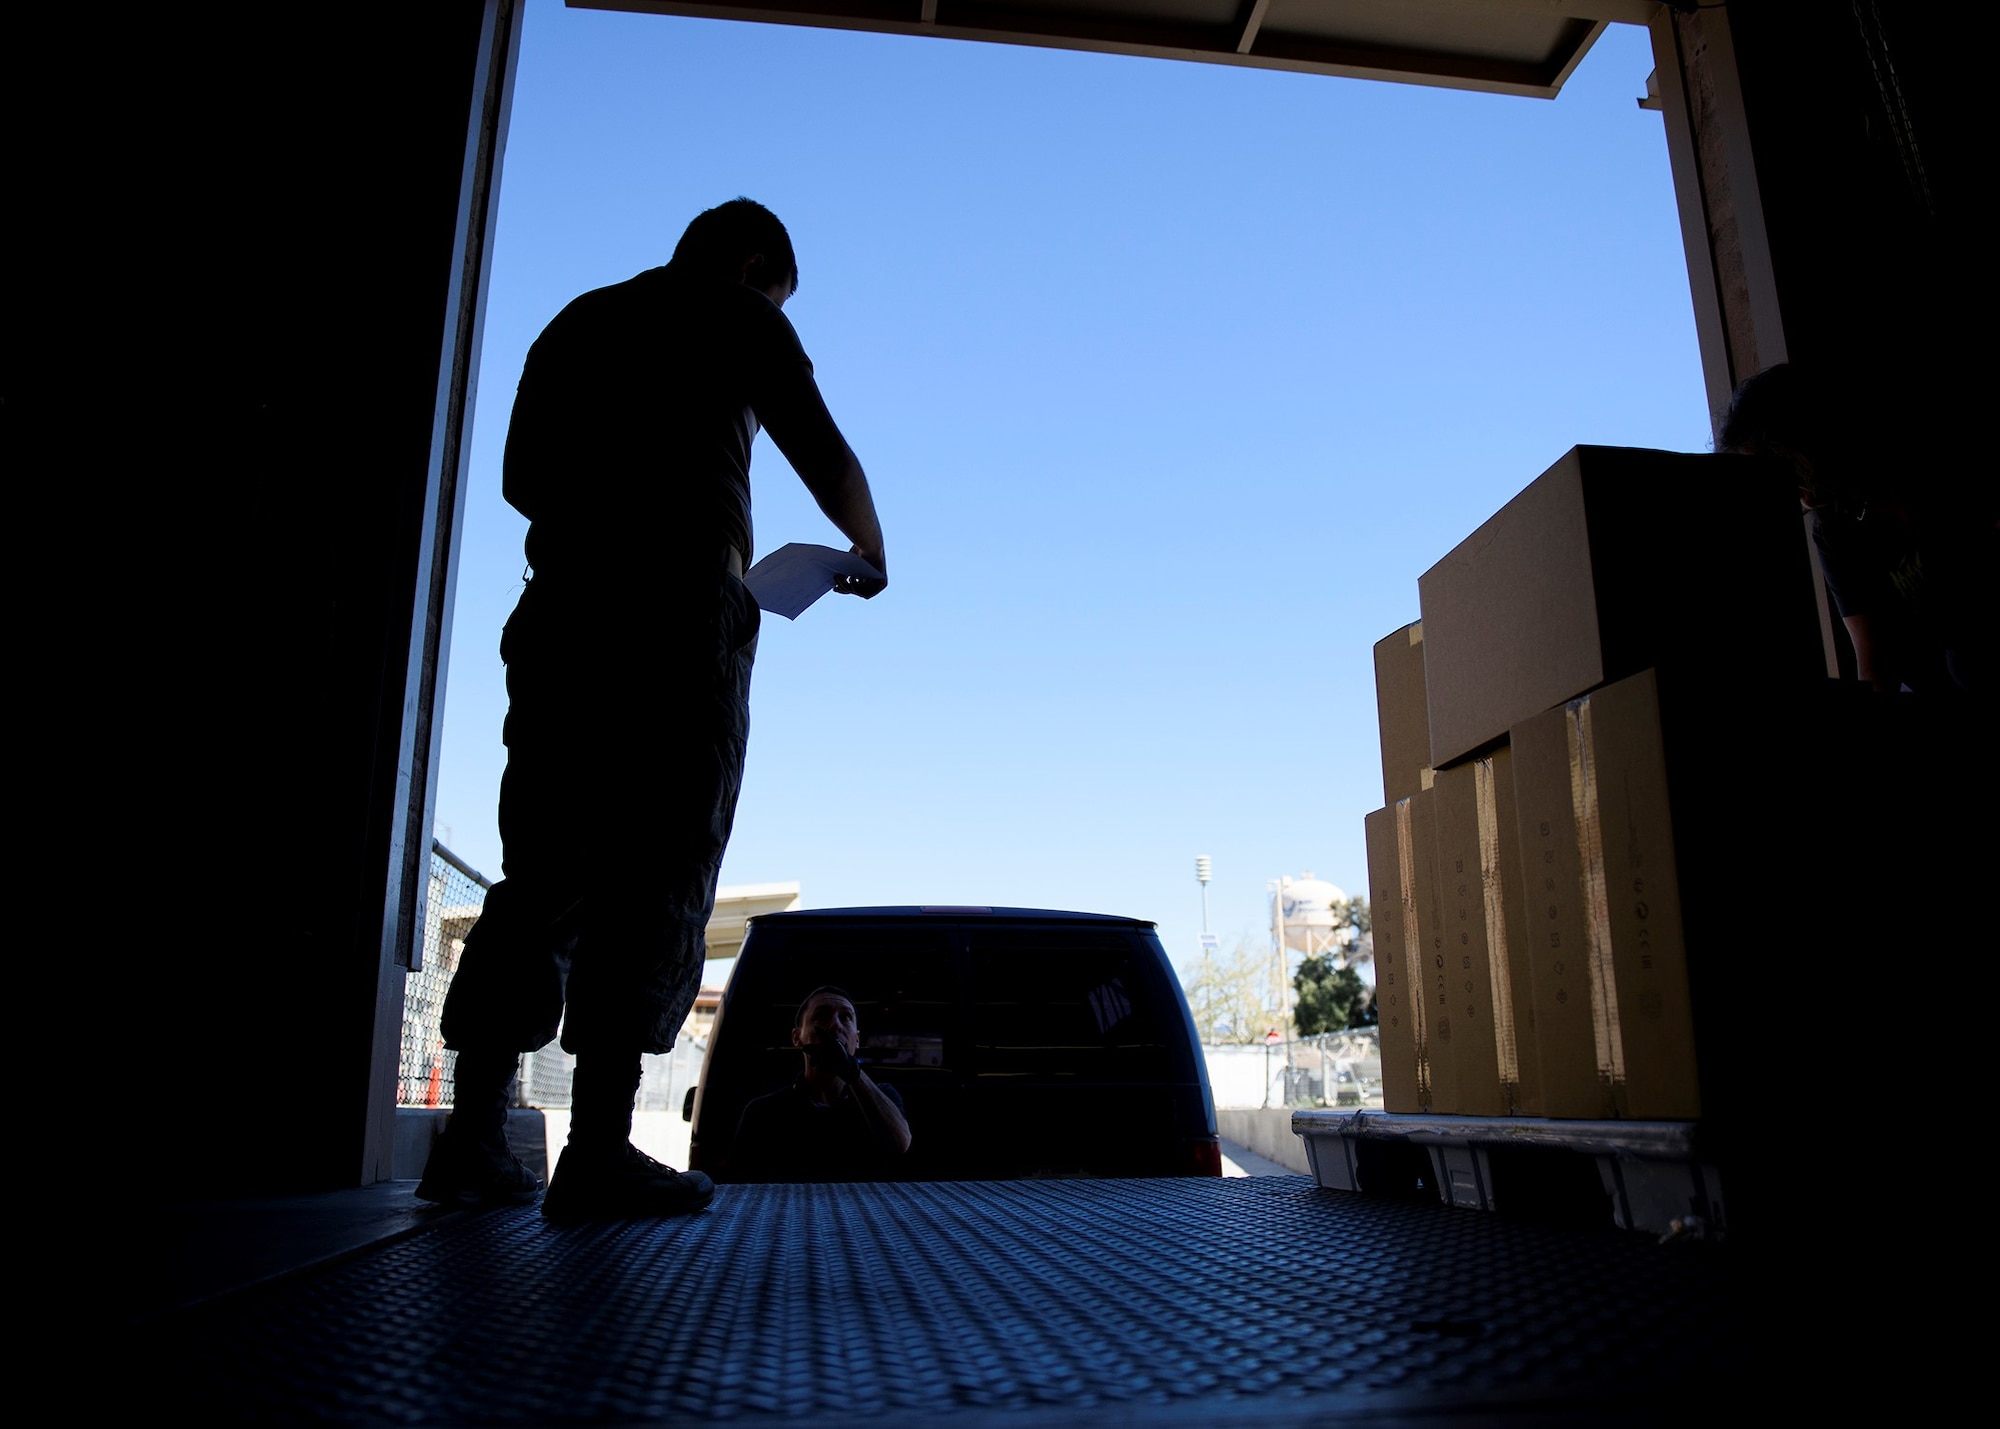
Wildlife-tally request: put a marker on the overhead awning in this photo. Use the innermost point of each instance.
(736, 905)
(1524, 47)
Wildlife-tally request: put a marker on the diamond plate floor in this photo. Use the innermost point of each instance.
(1068, 1301)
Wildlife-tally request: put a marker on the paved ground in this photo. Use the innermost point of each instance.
(1242, 1161)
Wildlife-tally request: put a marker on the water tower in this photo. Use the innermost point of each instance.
(1307, 918)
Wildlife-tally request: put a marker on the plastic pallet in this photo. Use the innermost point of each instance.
(1637, 1175)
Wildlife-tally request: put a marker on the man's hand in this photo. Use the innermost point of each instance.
(864, 586)
(886, 1122)
(841, 489)
(830, 1055)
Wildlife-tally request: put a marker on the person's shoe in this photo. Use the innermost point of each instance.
(621, 1183)
(464, 1171)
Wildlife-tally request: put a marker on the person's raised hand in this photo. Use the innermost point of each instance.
(866, 587)
(831, 1056)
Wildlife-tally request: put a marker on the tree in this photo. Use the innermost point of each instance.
(1359, 920)
(1327, 998)
(1232, 995)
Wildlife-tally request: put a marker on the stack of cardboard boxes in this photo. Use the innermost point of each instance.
(1570, 868)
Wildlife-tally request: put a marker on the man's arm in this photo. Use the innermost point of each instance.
(842, 493)
(1874, 657)
(791, 409)
(885, 1119)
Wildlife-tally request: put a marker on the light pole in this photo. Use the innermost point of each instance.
(1204, 869)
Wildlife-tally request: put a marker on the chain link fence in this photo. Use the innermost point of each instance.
(457, 894)
(1334, 1069)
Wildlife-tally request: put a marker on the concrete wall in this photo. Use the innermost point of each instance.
(1266, 1131)
(1246, 1076)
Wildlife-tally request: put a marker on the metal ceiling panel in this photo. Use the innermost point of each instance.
(1524, 47)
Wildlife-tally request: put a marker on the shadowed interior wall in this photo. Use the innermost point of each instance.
(254, 356)
(1832, 171)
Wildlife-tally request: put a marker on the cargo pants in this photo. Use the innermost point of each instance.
(628, 717)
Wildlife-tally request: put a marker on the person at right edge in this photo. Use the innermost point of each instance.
(628, 663)
(1908, 535)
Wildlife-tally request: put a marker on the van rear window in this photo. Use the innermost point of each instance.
(1080, 1006)
(902, 983)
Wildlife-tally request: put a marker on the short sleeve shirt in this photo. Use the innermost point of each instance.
(637, 409)
(787, 1136)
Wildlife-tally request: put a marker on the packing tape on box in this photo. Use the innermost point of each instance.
(1583, 778)
(1413, 944)
(1487, 797)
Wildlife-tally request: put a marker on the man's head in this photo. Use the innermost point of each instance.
(740, 241)
(827, 1012)
(1798, 418)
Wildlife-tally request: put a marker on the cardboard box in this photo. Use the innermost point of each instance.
(1423, 947)
(1485, 972)
(1504, 873)
(1402, 714)
(1821, 843)
(1613, 561)
(1614, 1022)
(1462, 967)
(1405, 1078)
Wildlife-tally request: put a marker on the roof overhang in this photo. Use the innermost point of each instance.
(736, 905)
(1523, 47)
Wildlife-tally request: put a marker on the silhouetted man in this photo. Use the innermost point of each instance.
(1909, 544)
(835, 1123)
(628, 678)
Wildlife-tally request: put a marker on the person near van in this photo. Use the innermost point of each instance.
(628, 677)
(835, 1123)
(1910, 550)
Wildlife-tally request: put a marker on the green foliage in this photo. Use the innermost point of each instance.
(1239, 996)
(1327, 998)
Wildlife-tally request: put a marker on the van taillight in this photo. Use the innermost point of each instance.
(1207, 1159)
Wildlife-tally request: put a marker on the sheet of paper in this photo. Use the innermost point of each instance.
(794, 576)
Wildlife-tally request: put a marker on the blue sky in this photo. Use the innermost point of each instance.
(1170, 380)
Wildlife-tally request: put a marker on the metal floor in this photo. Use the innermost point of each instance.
(1058, 1302)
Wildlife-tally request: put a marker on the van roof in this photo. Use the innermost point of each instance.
(921, 911)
